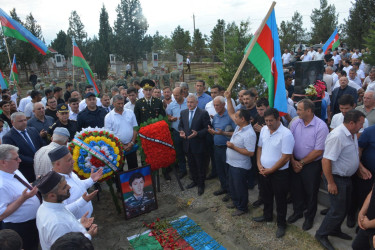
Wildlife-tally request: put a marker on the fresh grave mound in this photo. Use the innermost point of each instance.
(182, 233)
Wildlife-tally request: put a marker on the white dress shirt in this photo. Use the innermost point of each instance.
(83, 105)
(274, 145)
(122, 125)
(338, 119)
(42, 162)
(10, 190)
(211, 109)
(73, 116)
(53, 221)
(75, 203)
(23, 103)
(140, 93)
(129, 105)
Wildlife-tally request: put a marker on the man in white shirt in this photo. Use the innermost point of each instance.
(319, 55)
(36, 96)
(132, 96)
(82, 104)
(353, 77)
(24, 101)
(305, 57)
(19, 202)
(139, 89)
(336, 58)
(328, 79)
(275, 148)
(53, 219)
(286, 57)
(122, 122)
(42, 162)
(347, 66)
(73, 108)
(312, 53)
(79, 202)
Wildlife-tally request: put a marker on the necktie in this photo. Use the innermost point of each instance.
(191, 117)
(149, 103)
(28, 140)
(27, 185)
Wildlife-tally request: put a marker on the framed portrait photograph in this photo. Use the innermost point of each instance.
(138, 192)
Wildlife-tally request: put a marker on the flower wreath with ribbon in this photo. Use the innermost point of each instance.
(156, 143)
(95, 148)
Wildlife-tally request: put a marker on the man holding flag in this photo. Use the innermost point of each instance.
(332, 43)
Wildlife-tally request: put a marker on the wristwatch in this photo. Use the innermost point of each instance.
(302, 163)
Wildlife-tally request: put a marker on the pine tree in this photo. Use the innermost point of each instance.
(180, 41)
(217, 39)
(370, 43)
(324, 22)
(199, 44)
(77, 32)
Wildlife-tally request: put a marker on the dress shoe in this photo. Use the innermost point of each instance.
(257, 203)
(307, 224)
(323, 240)
(220, 192)
(226, 198)
(324, 211)
(167, 177)
(181, 175)
(200, 190)
(231, 206)
(341, 235)
(280, 232)
(350, 221)
(191, 185)
(261, 219)
(294, 217)
(238, 213)
(210, 177)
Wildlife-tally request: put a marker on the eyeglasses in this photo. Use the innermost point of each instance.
(15, 159)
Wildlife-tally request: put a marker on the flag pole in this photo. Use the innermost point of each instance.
(6, 45)
(255, 38)
(72, 62)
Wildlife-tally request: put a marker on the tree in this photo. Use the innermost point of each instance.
(101, 58)
(130, 29)
(370, 43)
(358, 25)
(105, 30)
(217, 38)
(180, 41)
(199, 44)
(60, 43)
(77, 30)
(237, 38)
(292, 32)
(286, 35)
(324, 22)
(98, 57)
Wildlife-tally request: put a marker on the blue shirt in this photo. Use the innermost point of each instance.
(222, 122)
(238, 107)
(203, 100)
(367, 143)
(174, 109)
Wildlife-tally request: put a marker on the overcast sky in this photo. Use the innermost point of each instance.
(165, 15)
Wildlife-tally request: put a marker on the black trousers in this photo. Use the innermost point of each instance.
(363, 240)
(197, 167)
(178, 145)
(305, 188)
(238, 187)
(222, 166)
(28, 232)
(339, 205)
(276, 186)
(361, 188)
(210, 154)
(132, 161)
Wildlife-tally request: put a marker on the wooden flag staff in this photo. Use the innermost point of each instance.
(10, 61)
(255, 38)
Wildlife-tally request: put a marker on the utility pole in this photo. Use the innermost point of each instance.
(194, 22)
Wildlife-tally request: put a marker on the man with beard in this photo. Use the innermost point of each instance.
(53, 219)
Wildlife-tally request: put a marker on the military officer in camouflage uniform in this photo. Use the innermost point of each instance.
(166, 78)
(145, 76)
(53, 84)
(98, 83)
(175, 76)
(69, 80)
(135, 77)
(140, 202)
(155, 77)
(121, 82)
(109, 83)
(148, 107)
(82, 85)
(63, 121)
(40, 87)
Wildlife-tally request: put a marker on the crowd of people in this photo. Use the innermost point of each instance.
(242, 141)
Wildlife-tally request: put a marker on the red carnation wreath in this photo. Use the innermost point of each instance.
(157, 145)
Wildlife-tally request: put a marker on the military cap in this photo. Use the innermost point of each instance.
(89, 94)
(61, 131)
(48, 182)
(58, 153)
(62, 107)
(147, 84)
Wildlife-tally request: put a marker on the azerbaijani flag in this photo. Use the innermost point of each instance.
(266, 57)
(13, 29)
(14, 71)
(3, 82)
(332, 43)
(80, 62)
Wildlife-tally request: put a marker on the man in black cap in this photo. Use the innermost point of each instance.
(79, 201)
(148, 107)
(53, 219)
(64, 121)
(92, 115)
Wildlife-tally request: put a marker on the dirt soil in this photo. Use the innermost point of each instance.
(207, 210)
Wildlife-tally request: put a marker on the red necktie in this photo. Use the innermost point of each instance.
(28, 186)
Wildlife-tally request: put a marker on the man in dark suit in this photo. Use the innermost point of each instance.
(193, 129)
(342, 90)
(27, 139)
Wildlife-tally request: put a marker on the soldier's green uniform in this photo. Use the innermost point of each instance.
(108, 85)
(143, 111)
(121, 82)
(81, 87)
(135, 78)
(136, 206)
(175, 76)
(155, 77)
(166, 79)
(99, 84)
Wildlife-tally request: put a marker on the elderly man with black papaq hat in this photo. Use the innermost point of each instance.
(53, 219)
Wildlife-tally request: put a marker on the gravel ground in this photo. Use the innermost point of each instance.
(210, 213)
